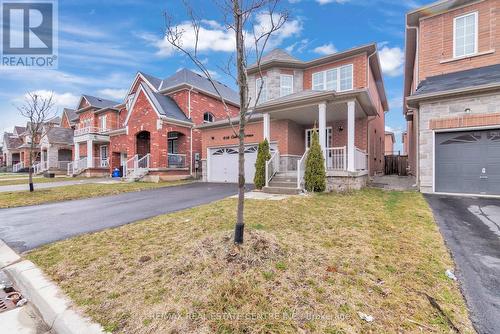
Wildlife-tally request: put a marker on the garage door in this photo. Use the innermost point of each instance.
(468, 162)
(223, 164)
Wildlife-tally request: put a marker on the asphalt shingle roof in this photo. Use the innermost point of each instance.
(57, 135)
(19, 130)
(100, 102)
(457, 80)
(191, 78)
(72, 115)
(165, 105)
(10, 141)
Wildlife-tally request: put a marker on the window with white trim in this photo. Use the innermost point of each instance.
(102, 122)
(338, 79)
(286, 84)
(263, 94)
(208, 117)
(465, 31)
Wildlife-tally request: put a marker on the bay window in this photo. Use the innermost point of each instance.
(286, 85)
(261, 82)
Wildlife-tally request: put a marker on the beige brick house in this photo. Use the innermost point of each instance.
(452, 96)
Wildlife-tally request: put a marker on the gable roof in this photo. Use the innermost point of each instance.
(459, 80)
(154, 81)
(165, 105)
(190, 78)
(71, 114)
(19, 130)
(59, 135)
(99, 102)
(10, 141)
(278, 55)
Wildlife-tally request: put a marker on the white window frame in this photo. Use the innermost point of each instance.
(337, 89)
(476, 37)
(103, 122)
(329, 136)
(264, 89)
(281, 84)
(130, 99)
(212, 116)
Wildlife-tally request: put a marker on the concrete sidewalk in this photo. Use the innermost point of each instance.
(55, 184)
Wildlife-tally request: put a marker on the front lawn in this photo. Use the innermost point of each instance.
(65, 193)
(37, 179)
(309, 264)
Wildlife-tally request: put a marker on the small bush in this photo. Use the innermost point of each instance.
(315, 174)
(263, 155)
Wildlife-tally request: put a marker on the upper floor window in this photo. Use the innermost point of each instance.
(286, 84)
(87, 123)
(465, 35)
(102, 122)
(338, 79)
(208, 117)
(261, 82)
(130, 99)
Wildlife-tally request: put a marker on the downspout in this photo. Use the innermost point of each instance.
(368, 149)
(191, 134)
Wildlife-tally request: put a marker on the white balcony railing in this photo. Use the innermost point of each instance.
(272, 166)
(177, 160)
(89, 129)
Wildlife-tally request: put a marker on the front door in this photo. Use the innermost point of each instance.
(329, 141)
(104, 156)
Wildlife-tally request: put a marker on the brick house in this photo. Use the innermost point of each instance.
(17, 148)
(341, 94)
(452, 96)
(390, 140)
(153, 131)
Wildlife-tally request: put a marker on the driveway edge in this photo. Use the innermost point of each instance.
(53, 305)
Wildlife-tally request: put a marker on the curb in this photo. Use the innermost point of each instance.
(52, 304)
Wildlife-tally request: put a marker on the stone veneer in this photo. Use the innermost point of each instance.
(450, 114)
(344, 181)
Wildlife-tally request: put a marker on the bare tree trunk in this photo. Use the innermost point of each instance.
(242, 80)
(30, 167)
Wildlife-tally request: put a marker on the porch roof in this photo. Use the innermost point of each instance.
(302, 106)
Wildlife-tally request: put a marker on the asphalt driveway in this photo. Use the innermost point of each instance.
(29, 227)
(471, 228)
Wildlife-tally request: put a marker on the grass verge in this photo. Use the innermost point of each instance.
(309, 264)
(65, 193)
(38, 179)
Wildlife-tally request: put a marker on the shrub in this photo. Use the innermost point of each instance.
(260, 165)
(315, 174)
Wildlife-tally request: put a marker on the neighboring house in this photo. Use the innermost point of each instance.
(69, 119)
(56, 149)
(452, 96)
(341, 95)
(153, 130)
(12, 141)
(390, 140)
(2, 157)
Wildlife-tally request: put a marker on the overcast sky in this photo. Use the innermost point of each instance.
(102, 44)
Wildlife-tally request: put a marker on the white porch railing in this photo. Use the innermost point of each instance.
(89, 129)
(63, 165)
(336, 158)
(177, 160)
(272, 166)
(360, 159)
(37, 168)
(101, 162)
(301, 168)
(17, 167)
(77, 166)
(135, 164)
(44, 166)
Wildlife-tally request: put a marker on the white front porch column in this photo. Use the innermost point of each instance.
(267, 127)
(90, 154)
(77, 151)
(351, 128)
(322, 126)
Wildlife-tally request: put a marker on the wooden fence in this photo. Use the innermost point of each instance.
(396, 164)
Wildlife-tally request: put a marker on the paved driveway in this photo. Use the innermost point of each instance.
(28, 227)
(471, 228)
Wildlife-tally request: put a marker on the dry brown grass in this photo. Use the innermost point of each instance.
(66, 193)
(309, 264)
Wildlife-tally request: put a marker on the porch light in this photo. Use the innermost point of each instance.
(341, 128)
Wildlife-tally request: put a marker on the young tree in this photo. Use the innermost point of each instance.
(37, 109)
(315, 174)
(263, 155)
(249, 38)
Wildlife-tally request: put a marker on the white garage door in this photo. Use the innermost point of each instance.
(223, 164)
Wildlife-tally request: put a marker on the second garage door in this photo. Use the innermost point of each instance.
(223, 164)
(468, 162)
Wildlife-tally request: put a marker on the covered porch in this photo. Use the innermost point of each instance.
(341, 121)
(91, 154)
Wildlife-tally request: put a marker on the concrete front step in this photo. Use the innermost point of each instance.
(281, 190)
(283, 184)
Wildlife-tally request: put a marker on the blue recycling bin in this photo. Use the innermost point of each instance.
(116, 173)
